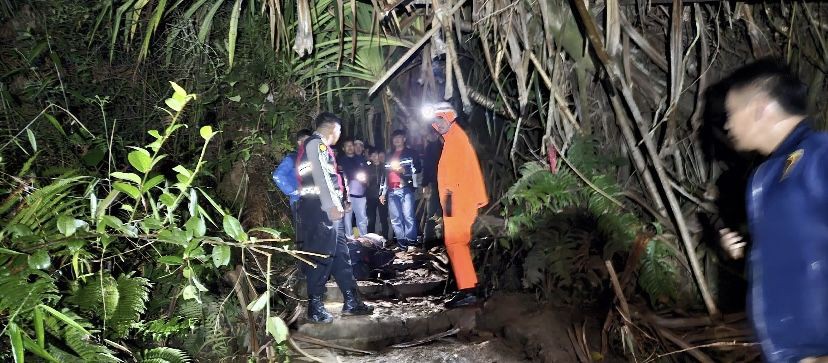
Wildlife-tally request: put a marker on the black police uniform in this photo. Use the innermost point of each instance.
(320, 190)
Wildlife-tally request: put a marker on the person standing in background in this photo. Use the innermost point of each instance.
(359, 148)
(376, 184)
(285, 176)
(431, 157)
(402, 167)
(354, 168)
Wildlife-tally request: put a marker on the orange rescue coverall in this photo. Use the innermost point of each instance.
(459, 173)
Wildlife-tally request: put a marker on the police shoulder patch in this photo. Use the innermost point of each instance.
(793, 159)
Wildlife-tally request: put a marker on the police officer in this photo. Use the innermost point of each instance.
(320, 210)
(787, 199)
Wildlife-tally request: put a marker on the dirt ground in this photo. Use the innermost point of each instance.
(446, 351)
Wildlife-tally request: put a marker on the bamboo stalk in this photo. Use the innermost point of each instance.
(649, 144)
(414, 48)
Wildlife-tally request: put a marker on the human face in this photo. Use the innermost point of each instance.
(374, 157)
(359, 148)
(441, 125)
(398, 142)
(745, 124)
(348, 147)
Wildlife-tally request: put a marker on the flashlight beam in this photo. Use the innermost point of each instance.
(411, 51)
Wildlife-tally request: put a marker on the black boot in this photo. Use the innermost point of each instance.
(352, 305)
(463, 298)
(316, 311)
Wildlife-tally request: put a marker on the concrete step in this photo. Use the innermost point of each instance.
(399, 288)
(393, 322)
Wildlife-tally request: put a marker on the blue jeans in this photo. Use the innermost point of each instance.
(401, 210)
(358, 208)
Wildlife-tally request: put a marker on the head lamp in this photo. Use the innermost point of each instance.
(443, 110)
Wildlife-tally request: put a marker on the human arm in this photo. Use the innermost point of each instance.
(319, 159)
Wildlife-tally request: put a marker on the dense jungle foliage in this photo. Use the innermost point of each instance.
(138, 221)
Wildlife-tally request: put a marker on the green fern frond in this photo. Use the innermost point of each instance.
(190, 309)
(164, 355)
(39, 209)
(87, 350)
(658, 271)
(18, 295)
(100, 296)
(133, 294)
(64, 357)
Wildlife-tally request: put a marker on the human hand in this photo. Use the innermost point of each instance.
(732, 243)
(382, 199)
(427, 191)
(335, 214)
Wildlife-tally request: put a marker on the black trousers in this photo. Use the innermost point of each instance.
(373, 206)
(321, 235)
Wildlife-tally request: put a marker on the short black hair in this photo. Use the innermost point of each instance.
(374, 150)
(327, 119)
(302, 133)
(398, 132)
(775, 78)
(347, 139)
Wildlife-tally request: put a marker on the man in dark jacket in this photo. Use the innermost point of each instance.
(403, 167)
(431, 157)
(376, 185)
(321, 207)
(787, 200)
(354, 167)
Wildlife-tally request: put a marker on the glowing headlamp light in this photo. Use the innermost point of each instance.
(427, 112)
(442, 109)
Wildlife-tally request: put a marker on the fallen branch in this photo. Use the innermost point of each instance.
(322, 343)
(710, 345)
(427, 339)
(292, 344)
(701, 357)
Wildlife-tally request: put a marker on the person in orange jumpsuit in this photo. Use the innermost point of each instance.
(462, 191)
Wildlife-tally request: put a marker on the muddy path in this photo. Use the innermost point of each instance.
(410, 324)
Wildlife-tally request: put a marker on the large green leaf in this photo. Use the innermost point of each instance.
(259, 303)
(130, 190)
(221, 255)
(127, 176)
(233, 228)
(40, 260)
(140, 159)
(277, 328)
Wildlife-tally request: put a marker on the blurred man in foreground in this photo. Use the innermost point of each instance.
(787, 199)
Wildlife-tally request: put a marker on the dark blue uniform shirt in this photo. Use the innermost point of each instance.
(788, 214)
